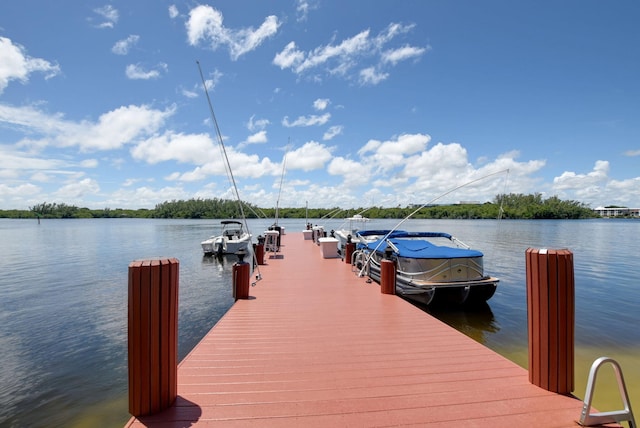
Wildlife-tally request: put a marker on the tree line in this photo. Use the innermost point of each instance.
(509, 206)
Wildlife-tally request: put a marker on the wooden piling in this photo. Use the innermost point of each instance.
(153, 335)
(349, 248)
(260, 253)
(551, 319)
(387, 277)
(241, 276)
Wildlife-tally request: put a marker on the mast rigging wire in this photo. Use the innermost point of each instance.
(228, 166)
(424, 205)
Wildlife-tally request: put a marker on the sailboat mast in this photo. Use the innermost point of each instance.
(284, 163)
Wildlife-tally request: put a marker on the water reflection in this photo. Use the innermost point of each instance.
(63, 312)
(475, 321)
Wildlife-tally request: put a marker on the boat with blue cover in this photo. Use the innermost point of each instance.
(430, 266)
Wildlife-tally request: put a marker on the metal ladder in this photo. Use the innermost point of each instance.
(588, 419)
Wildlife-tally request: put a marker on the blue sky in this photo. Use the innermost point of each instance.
(381, 103)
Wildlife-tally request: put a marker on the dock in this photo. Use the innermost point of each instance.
(317, 346)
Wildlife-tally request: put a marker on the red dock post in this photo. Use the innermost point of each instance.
(153, 335)
(387, 277)
(349, 248)
(241, 276)
(260, 253)
(551, 319)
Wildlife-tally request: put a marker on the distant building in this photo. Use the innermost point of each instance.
(617, 212)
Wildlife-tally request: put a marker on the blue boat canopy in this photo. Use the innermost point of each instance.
(416, 245)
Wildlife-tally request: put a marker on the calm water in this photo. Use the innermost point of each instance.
(63, 303)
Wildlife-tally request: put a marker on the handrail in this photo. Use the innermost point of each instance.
(588, 419)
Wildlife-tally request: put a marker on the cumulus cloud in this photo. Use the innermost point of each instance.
(186, 148)
(571, 180)
(242, 164)
(310, 156)
(77, 190)
(17, 65)
(119, 127)
(259, 137)
(205, 24)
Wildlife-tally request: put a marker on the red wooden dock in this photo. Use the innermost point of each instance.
(317, 346)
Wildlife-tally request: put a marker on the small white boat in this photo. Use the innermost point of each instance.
(232, 239)
(343, 235)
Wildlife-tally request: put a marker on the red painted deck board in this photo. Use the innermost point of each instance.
(316, 346)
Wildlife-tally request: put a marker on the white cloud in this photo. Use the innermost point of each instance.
(173, 11)
(341, 57)
(212, 82)
(353, 173)
(89, 163)
(112, 130)
(110, 16)
(188, 93)
(289, 56)
(302, 9)
(77, 190)
(190, 148)
(18, 160)
(343, 52)
(257, 124)
(137, 72)
(259, 137)
(312, 120)
(403, 144)
(332, 132)
(20, 190)
(17, 65)
(143, 197)
(123, 46)
(205, 24)
(571, 180)
(394, 56)
(310, 156)
(371, 76)
(321, 104)
(117, 128)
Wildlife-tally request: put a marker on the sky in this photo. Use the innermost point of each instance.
(318, 103)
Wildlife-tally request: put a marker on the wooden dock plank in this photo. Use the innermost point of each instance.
(317, 346)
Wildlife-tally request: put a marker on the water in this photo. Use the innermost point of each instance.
(63, 303)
